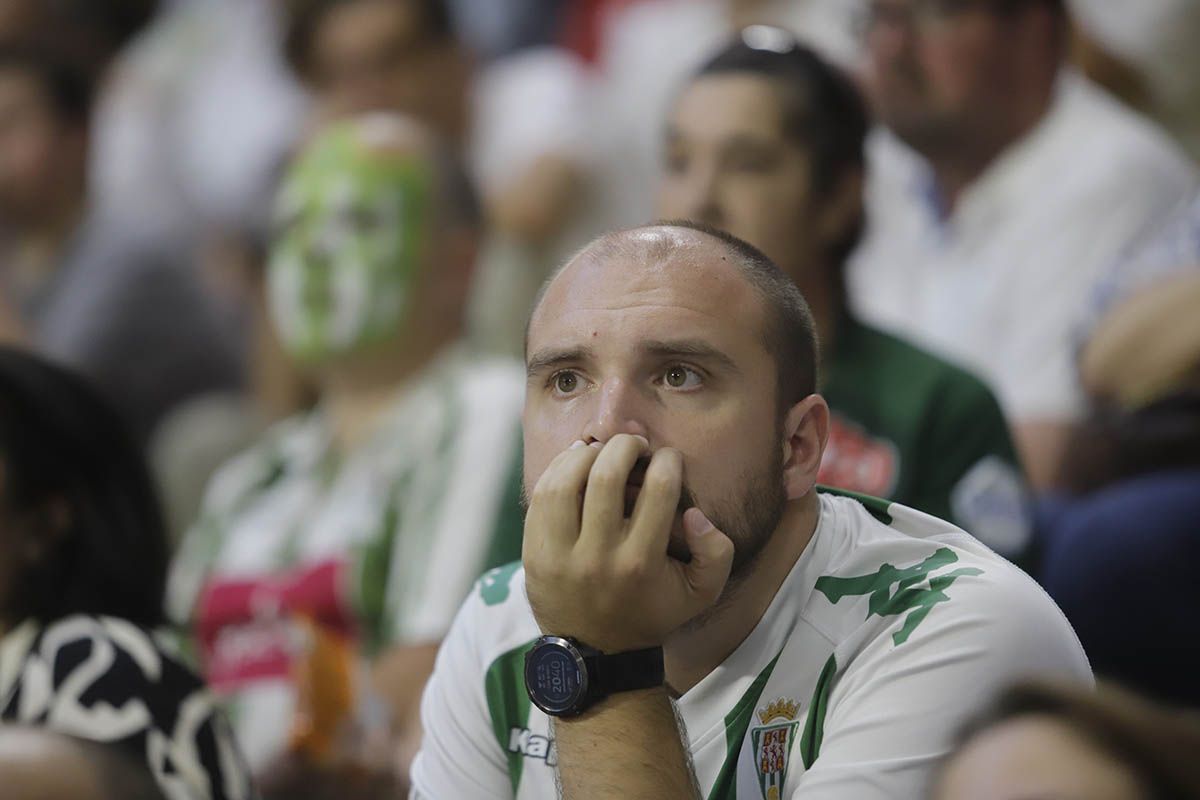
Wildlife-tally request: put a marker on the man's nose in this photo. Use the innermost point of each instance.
(704, 204)
(619, 409)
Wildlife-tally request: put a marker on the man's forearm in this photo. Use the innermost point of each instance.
(629, 746)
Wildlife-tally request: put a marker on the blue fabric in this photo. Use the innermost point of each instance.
(1124, 565)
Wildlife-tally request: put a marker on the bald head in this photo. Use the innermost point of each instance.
(713, 265)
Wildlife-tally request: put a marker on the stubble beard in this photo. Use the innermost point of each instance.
(750, 520)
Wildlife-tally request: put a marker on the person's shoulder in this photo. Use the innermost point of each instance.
(120, 658)
(918, 572)
(497, 615)
(1097, 126)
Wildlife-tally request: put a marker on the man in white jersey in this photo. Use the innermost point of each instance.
(331, 557)
(698, 620)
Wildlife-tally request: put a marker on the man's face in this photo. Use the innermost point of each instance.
(344, 263)
(671, 349)
(727, 162)
(376, 55)
(38, 151)
(938, 70)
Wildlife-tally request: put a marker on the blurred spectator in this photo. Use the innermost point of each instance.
(89, 32)
(1047, 741)
(646, 52)
(83, 559)
(1168, 251)
(126, 310)
(1121, 547)
(766, 141)
(522, 124)
(346, 539)
(498, 28)
(196, 119)
(1028, 183)
(1157, 39)
(36, 764)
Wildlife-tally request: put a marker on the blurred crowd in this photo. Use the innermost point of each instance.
(293, 245)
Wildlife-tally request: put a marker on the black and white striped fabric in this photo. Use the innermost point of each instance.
(106, 680)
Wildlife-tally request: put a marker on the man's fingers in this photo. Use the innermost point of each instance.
(604, 498)
(657, 503)
(712, 557)
(555, 505)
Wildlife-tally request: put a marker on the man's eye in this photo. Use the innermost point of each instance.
(680, 377)
(566, 382)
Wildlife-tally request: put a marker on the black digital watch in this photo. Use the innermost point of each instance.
(564, 677)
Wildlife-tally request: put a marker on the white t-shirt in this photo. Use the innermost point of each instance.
(879, 643)
(1002, 283)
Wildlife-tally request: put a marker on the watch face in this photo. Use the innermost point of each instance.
(555, 676)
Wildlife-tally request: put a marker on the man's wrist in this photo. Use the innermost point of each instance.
(622, 702)
(565, 677)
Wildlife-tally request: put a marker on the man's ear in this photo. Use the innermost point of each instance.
(805, 433)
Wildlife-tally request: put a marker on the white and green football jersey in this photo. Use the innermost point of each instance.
(377, 546)
(892, 627)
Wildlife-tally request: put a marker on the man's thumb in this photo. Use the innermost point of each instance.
(712, 554)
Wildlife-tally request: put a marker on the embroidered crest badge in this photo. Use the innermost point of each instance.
(772, 744)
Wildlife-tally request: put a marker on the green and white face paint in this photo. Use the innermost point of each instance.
(349, 223)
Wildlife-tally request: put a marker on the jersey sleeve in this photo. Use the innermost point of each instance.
(460, 756)
(894, 712)
(968, 470)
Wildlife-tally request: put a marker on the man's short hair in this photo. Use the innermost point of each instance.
(304, 19)
(789, 332)
(821, 108)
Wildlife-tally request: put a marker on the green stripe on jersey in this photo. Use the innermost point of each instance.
(736, 723)
(875, 506)
(909, 596)
(508, 704)
(814, 726)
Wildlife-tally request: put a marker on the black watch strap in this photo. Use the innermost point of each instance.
(628, 671)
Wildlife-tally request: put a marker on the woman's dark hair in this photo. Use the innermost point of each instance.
(1157, 745)
(74, 477)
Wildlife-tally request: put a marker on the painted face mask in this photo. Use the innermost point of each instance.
(344, 258)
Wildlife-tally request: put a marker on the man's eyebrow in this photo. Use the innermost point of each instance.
(690, 348)
(548, 358)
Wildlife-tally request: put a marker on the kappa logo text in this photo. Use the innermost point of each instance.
(531, 745)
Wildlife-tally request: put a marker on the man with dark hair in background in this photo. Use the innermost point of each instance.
(122, 307)
(766, 141)
(679, 560)
(1003, 186)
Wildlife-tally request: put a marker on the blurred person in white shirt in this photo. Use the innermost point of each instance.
(1001, 189)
